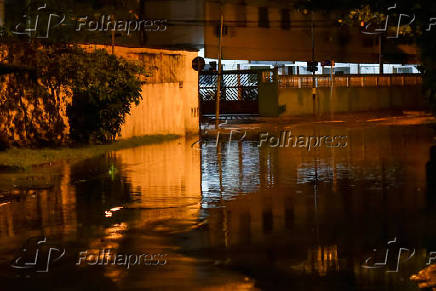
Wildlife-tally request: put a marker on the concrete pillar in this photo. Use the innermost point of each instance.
(239, 83)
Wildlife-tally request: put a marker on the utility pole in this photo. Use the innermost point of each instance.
(380, 54)
(331, 88)
(218, 93)
(313, 59)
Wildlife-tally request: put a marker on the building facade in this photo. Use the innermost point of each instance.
(275, 31)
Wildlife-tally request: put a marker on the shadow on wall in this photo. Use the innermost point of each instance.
(169, 97)
(30, 114)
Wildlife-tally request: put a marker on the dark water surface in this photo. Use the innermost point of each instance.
(236, 216)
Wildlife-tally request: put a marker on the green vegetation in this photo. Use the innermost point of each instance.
(102, 88)
(375, 12)
(74, 10)
(26, 158)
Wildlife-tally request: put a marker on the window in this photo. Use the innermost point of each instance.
(285, 19)
(242, 15)
(263, 17)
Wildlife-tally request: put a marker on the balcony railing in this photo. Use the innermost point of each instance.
(350, 81)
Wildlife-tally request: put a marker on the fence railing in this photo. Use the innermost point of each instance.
(235, 85)
(349, 81)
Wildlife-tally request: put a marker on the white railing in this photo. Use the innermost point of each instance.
(349, 81)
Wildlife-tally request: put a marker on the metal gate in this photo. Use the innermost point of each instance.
(239, 92)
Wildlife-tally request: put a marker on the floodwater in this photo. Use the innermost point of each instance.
(233, 216)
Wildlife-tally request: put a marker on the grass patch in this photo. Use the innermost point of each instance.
(26, 158)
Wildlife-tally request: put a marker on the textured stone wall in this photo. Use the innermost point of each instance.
(169, 105)
(30, 117)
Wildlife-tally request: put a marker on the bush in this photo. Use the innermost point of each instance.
(104, 87)
(100, 86)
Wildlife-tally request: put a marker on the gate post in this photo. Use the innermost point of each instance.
(268, 95)
(239, 83)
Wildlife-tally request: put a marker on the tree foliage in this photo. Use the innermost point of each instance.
(104, 87)
(418, 32)
(361, 12)
(98, 87)
(29, 105)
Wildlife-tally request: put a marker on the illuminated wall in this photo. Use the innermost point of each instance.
(170, 96)
(299, 101)
(169, 101)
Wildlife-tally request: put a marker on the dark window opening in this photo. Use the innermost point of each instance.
(286, 19)
(263, 17)
(242, 16)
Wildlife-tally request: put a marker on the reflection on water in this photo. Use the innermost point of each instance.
(236, 215)
(229, 171)
(320, 261)
(426, 278)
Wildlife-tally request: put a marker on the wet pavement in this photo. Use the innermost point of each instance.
(231, 216)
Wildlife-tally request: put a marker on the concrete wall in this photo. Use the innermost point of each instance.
(245, 39)
(268, 101)
(30, 117)
(170, 95)
(298, 101)
(169, 105)
(180, 32)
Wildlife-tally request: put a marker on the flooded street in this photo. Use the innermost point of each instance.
(234, 216)
(217, 145)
